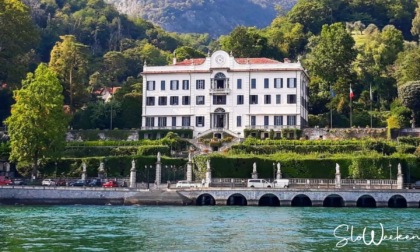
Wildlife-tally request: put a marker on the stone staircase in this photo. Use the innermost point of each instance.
(204, 149)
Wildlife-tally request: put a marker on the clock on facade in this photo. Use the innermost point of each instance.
(220, 59)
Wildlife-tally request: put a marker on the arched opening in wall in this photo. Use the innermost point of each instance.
(219, 81)
(205, 200)
(333, 200)
(366, 201)
(301, 200)
(236, 200)
(269, 200)
(397, 201)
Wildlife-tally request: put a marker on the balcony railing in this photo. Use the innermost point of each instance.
(167, 128)
(268, 127)
(220, 90)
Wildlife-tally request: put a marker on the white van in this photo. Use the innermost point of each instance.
(259, 183)
(281, 183)
(184, 184)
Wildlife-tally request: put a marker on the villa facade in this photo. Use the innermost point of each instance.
(221, 93)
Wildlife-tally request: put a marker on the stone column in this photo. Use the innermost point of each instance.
(412, 204)
(7, 168)
(350, 203)
(101, 170)
(133, 174)
(158, 170)
(208, 174)
(254, 173)
(400, 179)
(189, 166)
(317, 203)
(252, 202)
(278, 176)
(84, 171)
(337, 176)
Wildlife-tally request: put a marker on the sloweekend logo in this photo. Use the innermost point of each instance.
(370, 236)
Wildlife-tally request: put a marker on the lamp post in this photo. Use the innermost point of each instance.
(173, 169)
(167, 172)
(274, 171)
(148, 184)
(55, 172)
(390, 171)
(147, 176)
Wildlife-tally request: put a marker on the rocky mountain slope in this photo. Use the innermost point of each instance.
(216, 17)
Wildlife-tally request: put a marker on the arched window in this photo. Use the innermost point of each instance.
(220, 76)
(219, 110)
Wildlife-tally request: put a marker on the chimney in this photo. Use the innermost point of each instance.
(287, 60)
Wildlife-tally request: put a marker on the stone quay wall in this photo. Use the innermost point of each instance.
(42, 195)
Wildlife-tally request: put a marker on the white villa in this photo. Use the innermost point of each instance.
(222, 94)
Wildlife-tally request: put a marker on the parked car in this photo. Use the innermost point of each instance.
(95, 182)
(61, 182)
(18, 182)
(259, 183)
(5, 181)
(110, 183)
(184, 184)
(281, 183)
(79, 182)
(48, 182)
(416, 185)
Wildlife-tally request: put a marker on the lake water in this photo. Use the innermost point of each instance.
(215, 228)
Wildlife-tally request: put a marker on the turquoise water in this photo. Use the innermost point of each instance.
(168, 228)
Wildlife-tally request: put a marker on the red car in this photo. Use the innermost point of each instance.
(110, 183)
(5, 181)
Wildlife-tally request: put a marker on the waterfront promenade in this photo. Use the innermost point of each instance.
(296, 197)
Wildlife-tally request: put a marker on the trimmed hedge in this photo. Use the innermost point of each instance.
(117, 167)
(415, 141)
(148, 150)
(293, 165)
(186, 133)
(265, 147)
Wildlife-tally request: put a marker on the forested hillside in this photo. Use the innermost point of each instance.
(215, 17)
(368, 45)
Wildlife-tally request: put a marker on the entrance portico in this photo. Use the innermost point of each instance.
(219, 119)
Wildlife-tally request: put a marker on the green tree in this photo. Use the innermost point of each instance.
(69, 62)
(311, 14)
(37, 124)
(409, 94)
(17, 36)
(331, 56)
(407, 67)
(130, 112)
(375, 59)
(289, 38)
(415, 29)
(154, 56)
(114, 67)
(244, 42)
(186, 52)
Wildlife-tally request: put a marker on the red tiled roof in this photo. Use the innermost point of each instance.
(101, 91)
(256, 61)
(188, 62)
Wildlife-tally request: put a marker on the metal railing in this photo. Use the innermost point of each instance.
(314, 183)
(279, 127)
